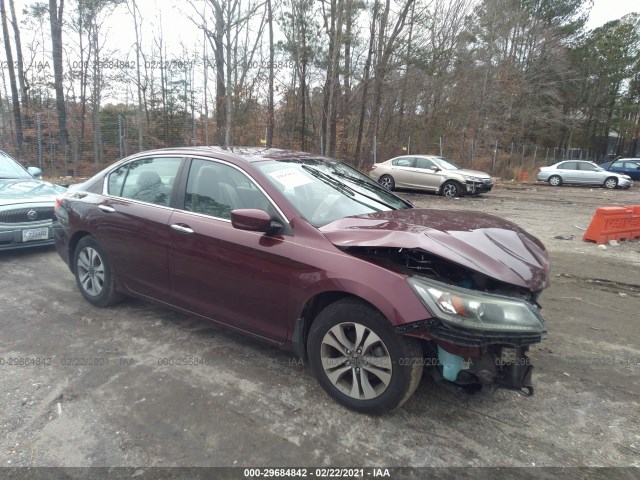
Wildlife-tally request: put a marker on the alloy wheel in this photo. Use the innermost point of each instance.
(356, 360)
(91, 271)
(450, 190)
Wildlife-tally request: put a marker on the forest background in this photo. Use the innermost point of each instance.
(498, 85)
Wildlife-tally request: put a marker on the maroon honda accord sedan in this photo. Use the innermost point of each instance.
(309, 254)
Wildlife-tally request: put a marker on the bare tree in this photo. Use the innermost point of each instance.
(133, 10)
(55, 17)
(24, 97)
(270, 113)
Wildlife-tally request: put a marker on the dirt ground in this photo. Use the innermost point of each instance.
(139, 385)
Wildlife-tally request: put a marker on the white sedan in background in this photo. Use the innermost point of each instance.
(580, 172)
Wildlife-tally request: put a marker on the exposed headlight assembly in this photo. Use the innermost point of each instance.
(477, 310)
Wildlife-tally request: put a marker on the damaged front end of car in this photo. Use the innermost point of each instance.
(481, 338)
(478, 277)
(481, 328)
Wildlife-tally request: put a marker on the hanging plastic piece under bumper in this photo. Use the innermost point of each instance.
(497, 366)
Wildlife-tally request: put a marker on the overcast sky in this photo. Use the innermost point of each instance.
(604, 11)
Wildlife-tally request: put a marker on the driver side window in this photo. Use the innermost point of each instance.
(216, 189)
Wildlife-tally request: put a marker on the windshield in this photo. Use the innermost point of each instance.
(445, 163)
(9, 168)
(324, 191)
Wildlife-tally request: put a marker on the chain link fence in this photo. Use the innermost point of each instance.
(122, 134)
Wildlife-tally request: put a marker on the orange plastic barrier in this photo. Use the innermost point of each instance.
(523, 176)
(614, 223)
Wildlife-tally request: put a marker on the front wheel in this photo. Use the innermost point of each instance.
(93, 273)
(387, 182)
(451, 189)
(611, 183)
(360, 361)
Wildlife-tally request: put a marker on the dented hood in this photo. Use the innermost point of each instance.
(484, 243)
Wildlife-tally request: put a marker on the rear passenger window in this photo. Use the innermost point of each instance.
(568, 166)
(403, 162)
(148, 180)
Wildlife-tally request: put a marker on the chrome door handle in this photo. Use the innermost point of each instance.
(181, 228)
(106, 208)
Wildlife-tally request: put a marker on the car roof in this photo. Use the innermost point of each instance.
(248, 154)
(578, 161)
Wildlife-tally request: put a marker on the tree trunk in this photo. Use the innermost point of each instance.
(17, 117)
(270, 113)
(55, 18)
(229, 96)
(95, 96)
(365, 82)
(139, 83)
(218, 50)
(16, 34)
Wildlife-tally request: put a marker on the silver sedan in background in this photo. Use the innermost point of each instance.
(580, 172)
(429, 172)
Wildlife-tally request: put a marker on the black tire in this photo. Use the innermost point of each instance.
(555, 180)
(387, 182)
(611, 183)
(93, 273)
(451, 189)
(386, 372)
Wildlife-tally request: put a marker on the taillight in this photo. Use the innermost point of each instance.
(58, 203)
(373, 167)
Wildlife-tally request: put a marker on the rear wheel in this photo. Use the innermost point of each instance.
(555, 181)
(93, 273)
(451, 189)
(360, 361)
(611, 182)
(387, 182)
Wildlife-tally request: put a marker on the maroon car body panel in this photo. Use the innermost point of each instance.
(481, 242)
(136, 237)
(260, 282)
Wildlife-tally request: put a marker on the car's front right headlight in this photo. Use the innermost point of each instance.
(477, 310)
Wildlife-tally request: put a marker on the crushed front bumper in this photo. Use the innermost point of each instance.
(475, 359)
(476, 187)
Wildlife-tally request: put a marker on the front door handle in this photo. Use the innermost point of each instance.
(181, 228)
(106, 208)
